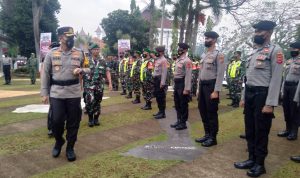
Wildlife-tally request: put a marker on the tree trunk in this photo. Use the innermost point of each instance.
(37, 10)
(162, 22)
(196, 26)
(189, 27)
(152, 24)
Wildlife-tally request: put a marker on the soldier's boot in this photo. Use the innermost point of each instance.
(129, 95)
(211, 141)
(91, 120)
(137, 100)
(286, 132)
(96, 120)
(177, 122)
(123, 93)
(147, 106)
(57, 147)
(205, 137)
(161, 115)
(181, 125)
(70, 153)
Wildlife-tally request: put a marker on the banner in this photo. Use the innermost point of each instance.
(123, 45)
(45, 42)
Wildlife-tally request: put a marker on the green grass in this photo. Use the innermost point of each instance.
(20, 101)
(21, 85)
(9, 118)
(113, 164)
(289, 170)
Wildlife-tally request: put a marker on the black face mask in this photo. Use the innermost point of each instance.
(157, 54)
(70, 42)
(174, 58)
(207, 44)
(259, 39)
(145, 55)
(180, 52)
(121, 57)
(126, 55)
(294, 53)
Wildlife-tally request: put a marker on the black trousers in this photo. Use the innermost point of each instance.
(257, 124)
(66, 110)
(6, 72)
(160, 94)
(181, 101)
(290, 109)
(50, 118)
(208, 108)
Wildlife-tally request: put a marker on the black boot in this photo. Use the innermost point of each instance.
(57, 147)
(91, 120)
(284, 133)
(137, 100)
(123, 93)
(70, 153)
(161, 115)
(129, 95)
(158, 113)
(296, 159)
(147, 106)
(96, 120)
(211, 141)
(256, 171)
(202, 139)
(244, 164)
(181, 126)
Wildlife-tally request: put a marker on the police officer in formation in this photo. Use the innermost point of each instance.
(159, 80)
(182, 86)
(261, 93)
(93, 84)
(33, 66)
(62, 66)
(135, 76)
(290, 82)
(210, 83)
(6, 64)
(146, 78)
(122, 71)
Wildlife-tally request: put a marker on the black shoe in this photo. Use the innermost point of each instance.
(242, 136)
(96, 122)
(71, 156)
(91, 124)
(160, 116)
(292, 136)
(248, 164)
(136, 101)
(202, 139)
(57, 148)
(209, 142)
(123, 93)
(256, 171)
(156, 114)
(181, 126)
(296, 159)
(174, 125)
(283, 133)
(50, 133)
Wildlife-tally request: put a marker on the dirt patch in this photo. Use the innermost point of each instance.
(8, 94)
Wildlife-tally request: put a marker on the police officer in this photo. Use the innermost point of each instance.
(122, 71)
(289, 86)
(297, 100)
(135, 76)
(32, 64)
(6, 64)
(182, 87)
(210, 83)
(94, 85)
(159, 80)
(146, 78)
(261, 93)
(62, 66)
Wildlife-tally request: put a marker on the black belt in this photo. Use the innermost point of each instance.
(179, 80)
(256, 88)
(288, 83)
(157, 77)
(208, 82)
(65, 82)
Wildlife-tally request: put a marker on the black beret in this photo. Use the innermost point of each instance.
(68, 31)
(54, 45)
(183, 46)
(160, 49)
(211, 34)
(265, 25)
(295, 45)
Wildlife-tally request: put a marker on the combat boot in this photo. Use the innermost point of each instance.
(70, 153)
(211, 141)
(96, 120)
(181, 126)
(158, 113)
(129, 95)
(91, 120)
(202, 139)
(161, 115)
(147, 106)
(57, 147)
(137, 100)
(123, 93)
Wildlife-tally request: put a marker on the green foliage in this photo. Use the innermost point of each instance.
(210, 24)
(17, 23)
(22, 70)
(121, 24)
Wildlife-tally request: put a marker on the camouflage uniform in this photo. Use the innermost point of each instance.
(236, 82)
(32, 67)
(228, 79)
(128, 79)
(170, 75)
(136, 81)
(147, 82)
(122, 74)
(114, 74)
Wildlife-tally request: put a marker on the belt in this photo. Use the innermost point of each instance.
(256, 88)
(208, 82)
(288, 83)
(179, 79)
(157, 77)
(65, 82)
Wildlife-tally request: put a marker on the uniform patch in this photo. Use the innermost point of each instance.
(261, 57)
(188, 65)
(279, 58)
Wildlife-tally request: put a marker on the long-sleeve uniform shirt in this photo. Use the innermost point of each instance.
(161, 70)
(264, 68)
(212, 67)
(183, 69)
(59, 66)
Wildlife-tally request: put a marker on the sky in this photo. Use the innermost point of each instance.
(87, 14)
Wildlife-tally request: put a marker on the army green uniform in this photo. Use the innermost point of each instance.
(32, 64)
(236, 81)
(129, 84)
(122, 74)
(114, 74)
(147, 81)
(135, 78)
(228, 79)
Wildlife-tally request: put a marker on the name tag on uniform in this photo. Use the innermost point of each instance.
(261, 57)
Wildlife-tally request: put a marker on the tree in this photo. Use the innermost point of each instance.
(120, 24)
(132, 6)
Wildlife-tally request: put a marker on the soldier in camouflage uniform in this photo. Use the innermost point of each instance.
(170, 72)
(128, 79)
(122, 71)
(135, 76)
(146, 78)
(228, 79)
(32, 64)
(94, 85)
(115, 73)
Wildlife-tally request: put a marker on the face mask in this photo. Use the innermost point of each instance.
(121, 56)
(294, 53)
(145, 55)
(180, 52)
(70, 42)
(259, 39)
(174, 58)
(207, 44)
(157, 55)
(126, 55)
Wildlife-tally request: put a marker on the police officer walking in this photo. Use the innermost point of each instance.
(159, 80)
(289, 86)
(32, 64)
(261, 93)
(182, 87)
(6, 63)
(62, 66)
(210, 84)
